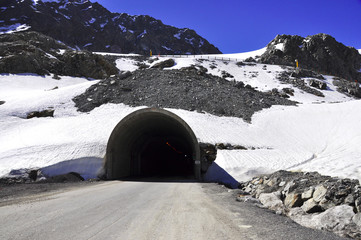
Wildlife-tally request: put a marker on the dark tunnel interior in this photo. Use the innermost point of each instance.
(163, 156)
(152, 143)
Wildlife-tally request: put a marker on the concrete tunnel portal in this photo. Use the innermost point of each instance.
(152, 143)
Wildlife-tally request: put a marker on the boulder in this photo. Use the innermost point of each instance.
(38, 114)
(225, 74)
(69, 177)
(358, 204)
(357, 219)
(272, 201)
(317, 84)
(319, 193)
(2, 102)
(208, 155)
(334, 219)
(307, 194)
(293, 200)
(164, 64)
(310, 206)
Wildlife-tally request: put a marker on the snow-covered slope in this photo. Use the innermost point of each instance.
(320, 134)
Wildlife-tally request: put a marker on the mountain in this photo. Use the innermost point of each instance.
(320, 52)
(82, 24)
(33, 52)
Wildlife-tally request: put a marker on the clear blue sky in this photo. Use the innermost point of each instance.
(244, 25)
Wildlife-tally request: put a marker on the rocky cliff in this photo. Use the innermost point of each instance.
(321, 53)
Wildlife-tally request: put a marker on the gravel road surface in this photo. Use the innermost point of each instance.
(144, 210)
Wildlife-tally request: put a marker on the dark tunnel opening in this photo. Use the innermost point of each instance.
(152, 143)
(165, 156)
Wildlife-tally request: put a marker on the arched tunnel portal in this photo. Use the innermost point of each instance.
(152, 142)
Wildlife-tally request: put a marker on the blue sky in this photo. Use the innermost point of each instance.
(245, 25)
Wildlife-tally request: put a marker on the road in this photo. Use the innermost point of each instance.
(145, 210)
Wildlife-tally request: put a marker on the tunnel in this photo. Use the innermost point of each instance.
(152, 142)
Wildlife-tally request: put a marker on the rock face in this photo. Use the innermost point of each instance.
(311, 199)
(32, 52)
(320, 52)
(38, 114)
(82, 24)
(189, 89)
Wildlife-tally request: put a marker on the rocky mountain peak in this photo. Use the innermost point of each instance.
(82, 24)
(320, 52)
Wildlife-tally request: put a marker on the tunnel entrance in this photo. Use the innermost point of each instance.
(152, 143)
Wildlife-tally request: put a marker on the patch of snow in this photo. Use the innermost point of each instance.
(280, 46)
(115, 18)
(131, 31)
(88, 44)
(50, 56)
(14, 28)
(126, 64)
(62, 51)
(189, 40)
(142, 34)
(122, 28)
(67, 17)
(118, 54)
(103, 24)
(92, 20)
(167, 48)
(57, 1)
(177, 35)
(359, 50)
(238, 56)
(201, 42)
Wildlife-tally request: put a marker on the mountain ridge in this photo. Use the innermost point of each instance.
(84, 25)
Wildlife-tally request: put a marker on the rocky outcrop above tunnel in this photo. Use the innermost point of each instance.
(188, 89)
(32, 52)
(320, 52)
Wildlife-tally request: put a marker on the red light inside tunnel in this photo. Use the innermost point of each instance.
(173, 148)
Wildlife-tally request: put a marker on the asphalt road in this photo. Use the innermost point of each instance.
(145, 210)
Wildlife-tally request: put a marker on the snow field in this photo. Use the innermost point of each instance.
(310, 137)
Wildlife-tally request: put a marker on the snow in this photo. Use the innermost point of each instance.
(167, 48)
(14, 28)
(57, 1)
(177, 35)
(237, 56)
(189, 40)
(280, 46)
(122, 28)
(359, 50)
(118, 54)
(103, 24)
(142, 34)
(92, 20)
(126, 64)
(320, 134)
